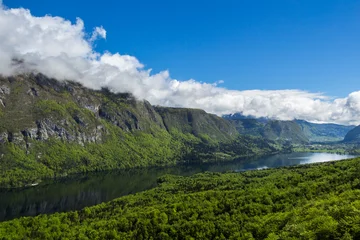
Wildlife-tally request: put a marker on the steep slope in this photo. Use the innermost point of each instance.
(34, 107)
(51, 129)
(353, 136)
(239, 116)
(248, 126)
(284, 131)
(197, 122)
(324, 132)
(276, 130)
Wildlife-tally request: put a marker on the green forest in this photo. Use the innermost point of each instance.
(121, 150)
(317, 201)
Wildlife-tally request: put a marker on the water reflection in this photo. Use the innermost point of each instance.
(321, 157)
(291, 159)
(91, 189)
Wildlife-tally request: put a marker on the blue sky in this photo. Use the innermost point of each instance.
(284, 44)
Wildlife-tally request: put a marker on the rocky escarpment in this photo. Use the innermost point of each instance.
(53, 128)
(34, 107)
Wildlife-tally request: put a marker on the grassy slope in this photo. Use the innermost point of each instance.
(319, 201)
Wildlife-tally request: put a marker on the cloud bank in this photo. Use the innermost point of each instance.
(61, 49)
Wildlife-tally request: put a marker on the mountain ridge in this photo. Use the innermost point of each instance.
(308, 132)
(51, 129)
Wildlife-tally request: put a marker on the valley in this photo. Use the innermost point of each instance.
(51, 129)
(68, 151)
(162, 120)
(84, 190)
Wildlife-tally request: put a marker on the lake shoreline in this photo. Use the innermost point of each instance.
(82, 190)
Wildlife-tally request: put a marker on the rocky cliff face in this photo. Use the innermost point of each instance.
(50, 128)
(33, 107)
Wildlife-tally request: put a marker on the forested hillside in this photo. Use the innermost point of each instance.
(274, 130)
(51, 129)
(319, 201)
(251, 127)
(353, 136)
(287, 131)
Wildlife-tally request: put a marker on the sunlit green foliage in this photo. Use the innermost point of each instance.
(319, 201)
(56, 158)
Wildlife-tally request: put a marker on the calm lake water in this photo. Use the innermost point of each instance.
(87, 190)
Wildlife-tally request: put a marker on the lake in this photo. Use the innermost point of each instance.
(90, 189)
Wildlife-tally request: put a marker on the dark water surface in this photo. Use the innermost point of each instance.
(87, 190)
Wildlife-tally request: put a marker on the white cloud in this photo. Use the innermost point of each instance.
(61, 49)
(99, 32)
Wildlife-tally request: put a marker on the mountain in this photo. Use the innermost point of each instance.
(284, 130)
(288, 131)
(239, 116)
(353, 136)
(248, 126)
(324, 132)
(298, 131)
(196, 122)
(51, 129)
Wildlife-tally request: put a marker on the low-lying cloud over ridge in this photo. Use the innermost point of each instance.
(61, 49)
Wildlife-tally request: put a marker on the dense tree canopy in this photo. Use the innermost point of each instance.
(319, 201)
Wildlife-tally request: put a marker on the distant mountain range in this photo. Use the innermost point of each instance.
(326, 132)
(296, 131)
